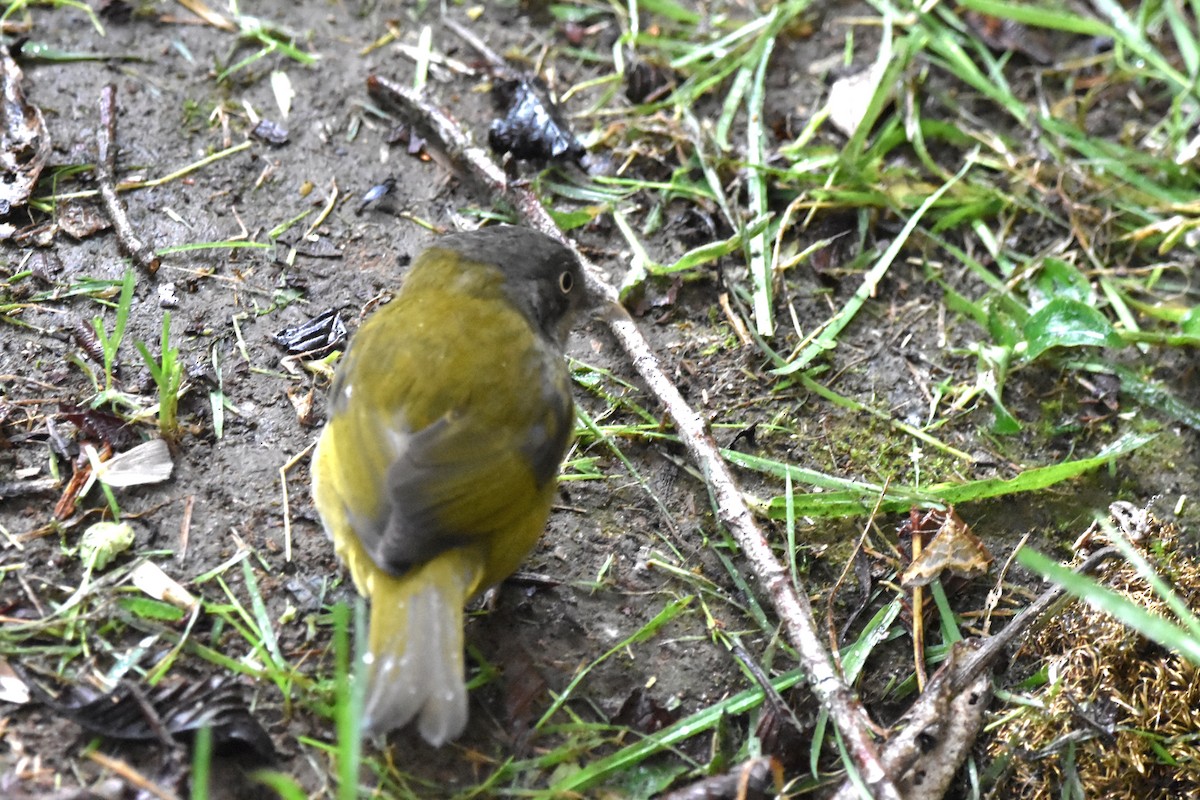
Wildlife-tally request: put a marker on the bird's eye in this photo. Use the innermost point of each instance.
(566, 281)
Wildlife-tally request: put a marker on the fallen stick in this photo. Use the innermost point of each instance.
(792, 606)
(936, 733)
(106, 179)
(757, 779)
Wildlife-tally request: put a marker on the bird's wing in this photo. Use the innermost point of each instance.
(467, 439)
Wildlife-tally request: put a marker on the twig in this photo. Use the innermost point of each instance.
(962, 681)
(936, 734)
(131, 776)
(994, 645)
(493, 59)
(287, 509)
(185, 526)
(791, 605)
(757, 778)
(938, 765)
(918, 615)
(106, 178)
(735, 322)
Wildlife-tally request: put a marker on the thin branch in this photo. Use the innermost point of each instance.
(948, 712)
(131, 776)
(792, 606)
(754, 779)
(993, 646)
(106, 178)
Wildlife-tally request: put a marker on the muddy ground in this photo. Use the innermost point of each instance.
(599, 582)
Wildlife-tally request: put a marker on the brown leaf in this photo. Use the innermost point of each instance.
(524, 688)
(100, 426)
(643, 713)
(302, 401)
(79, 219)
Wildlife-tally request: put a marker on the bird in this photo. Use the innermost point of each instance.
(434, 475)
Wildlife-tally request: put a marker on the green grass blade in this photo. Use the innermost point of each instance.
(1152, 626)
(627, 758)
(836, 324)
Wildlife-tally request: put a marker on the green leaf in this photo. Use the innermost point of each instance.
(1057, 279)
(104, 541)
(576, 218)
(1001, 324)
(148, 608)
(1190, 322)
(1064, 322)
(1003, 422)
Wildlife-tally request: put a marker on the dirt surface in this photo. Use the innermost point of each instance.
(603, 555)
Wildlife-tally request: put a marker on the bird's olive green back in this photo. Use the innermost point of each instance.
(449, 418)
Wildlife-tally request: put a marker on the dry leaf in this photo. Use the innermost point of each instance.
(281, 87)
(80, 219)
(150, 578)
(850, 97)
(201, 10)
(12, 688)
(302, 401)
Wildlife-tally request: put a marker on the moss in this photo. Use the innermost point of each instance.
(1128, 705)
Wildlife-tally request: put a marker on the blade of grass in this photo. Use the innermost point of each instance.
(670, 612)
(1127, 33)
(852, 498)
(835, 325)
(1147, 572)
(761, 268)
(629, 757)
(853, 659)
(852, 404)
(349, 692)
(153, 182)
(262, 618)
(1037, 16)
(1152, 626)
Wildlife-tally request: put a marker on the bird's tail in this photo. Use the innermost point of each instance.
(415, 662)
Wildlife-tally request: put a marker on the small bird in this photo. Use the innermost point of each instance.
(434, 475)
